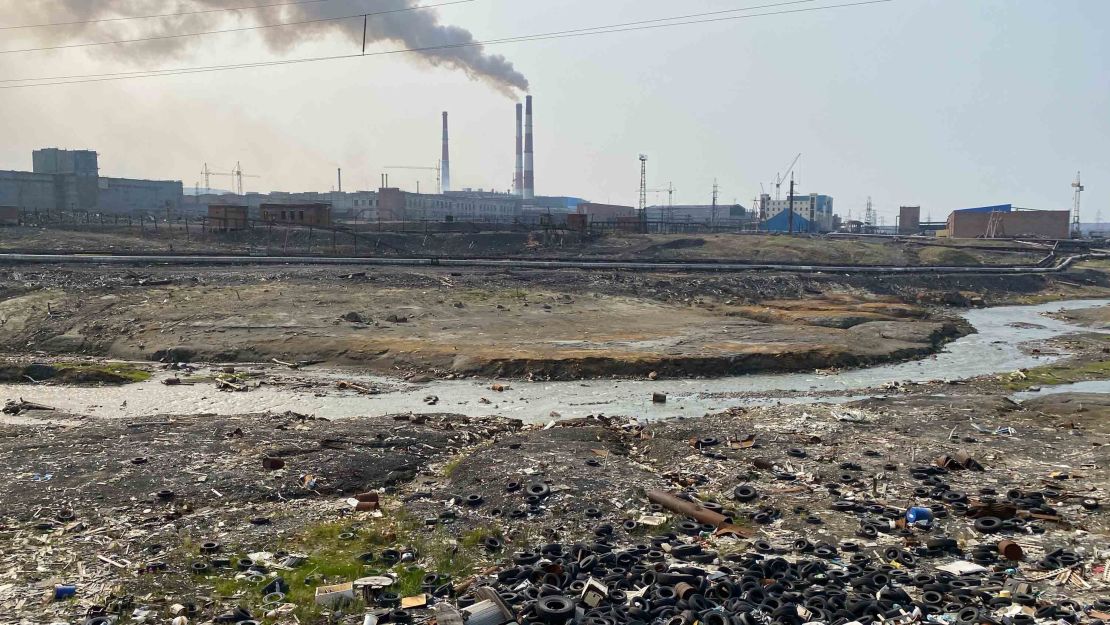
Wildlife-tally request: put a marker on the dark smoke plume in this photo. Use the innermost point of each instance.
(411, 29)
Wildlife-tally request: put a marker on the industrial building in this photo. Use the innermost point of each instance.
(701, 214)
(71, 180)
(812, 213)
(225, 218)
(397, 205)
(1004, 220)
(312, 214)
(909, 219)
(605, 212)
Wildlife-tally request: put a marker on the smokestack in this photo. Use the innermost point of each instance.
(445, 166)
(518, 178)
(529, 170)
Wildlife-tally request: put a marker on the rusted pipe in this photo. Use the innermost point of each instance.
(698, 513)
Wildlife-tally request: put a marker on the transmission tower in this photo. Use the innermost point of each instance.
(1076, 230)
(643, 182)
(869, 216)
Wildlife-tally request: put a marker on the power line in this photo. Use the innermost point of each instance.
(102, 20)
(234, 30)
(171, 71)
(581, 32)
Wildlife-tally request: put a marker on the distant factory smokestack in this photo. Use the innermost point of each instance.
(445, 165)
(529, 171)
(518, 178)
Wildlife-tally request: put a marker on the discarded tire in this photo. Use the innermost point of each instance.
(988, 524)
(554, 609)
(745, 493)
(538, 489)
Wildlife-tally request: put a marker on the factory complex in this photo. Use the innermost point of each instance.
(69, 180)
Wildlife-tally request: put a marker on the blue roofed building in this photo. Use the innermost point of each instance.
(812, 213)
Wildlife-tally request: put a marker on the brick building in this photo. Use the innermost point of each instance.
(605, 212)
(225, 217)
(975, 223)
(9, 215)
(312, 214)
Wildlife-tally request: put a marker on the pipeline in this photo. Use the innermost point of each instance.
(519, 263)
(695, 511)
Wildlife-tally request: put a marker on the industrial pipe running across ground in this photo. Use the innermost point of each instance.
(519, 263)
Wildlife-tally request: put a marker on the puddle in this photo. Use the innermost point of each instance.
(994, 349)
(1090, 386)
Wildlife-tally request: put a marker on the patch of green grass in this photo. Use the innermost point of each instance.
(130, 374)
(451, 466)
(74, 373)
(936, 255)
(332, 560)
(1060, 373)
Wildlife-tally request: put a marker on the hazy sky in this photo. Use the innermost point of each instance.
(942, 103)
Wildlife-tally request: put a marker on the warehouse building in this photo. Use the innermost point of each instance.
(701, 214)
(71, 180)
(397, 205)
(1004, 220)
(605, 212)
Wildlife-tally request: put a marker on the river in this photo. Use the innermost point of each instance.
(995, 348)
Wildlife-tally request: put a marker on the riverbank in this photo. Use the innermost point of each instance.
(123, 492)
(443, 323)
(996, 347)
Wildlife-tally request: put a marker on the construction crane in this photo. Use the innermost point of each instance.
(669, 190)
(1076, 229)
(436, 169)
(236, 176)
(780, 178)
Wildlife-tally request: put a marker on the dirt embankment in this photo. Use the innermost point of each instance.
(559, 325)
(119, 238)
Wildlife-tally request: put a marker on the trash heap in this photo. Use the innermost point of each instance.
(676, 580)
(679, 579)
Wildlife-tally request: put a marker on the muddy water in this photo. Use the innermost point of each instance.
(995, 348)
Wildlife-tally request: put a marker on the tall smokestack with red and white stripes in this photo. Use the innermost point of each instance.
(529, 170)
(445, 165)
(518, 176)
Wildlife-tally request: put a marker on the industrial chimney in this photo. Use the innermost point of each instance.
(529, 171)
(445, 165)
(518, 176)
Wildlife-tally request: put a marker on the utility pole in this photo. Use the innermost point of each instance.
(716, 191)
(790, 214)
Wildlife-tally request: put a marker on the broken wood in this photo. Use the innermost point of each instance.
(355, 387)
(222, 383)
(16, 407)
